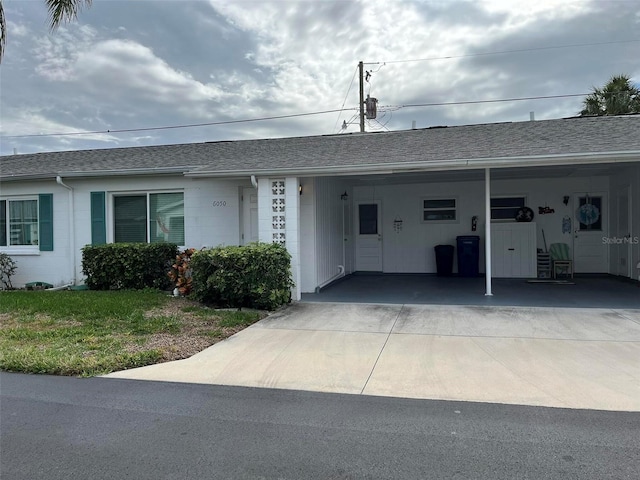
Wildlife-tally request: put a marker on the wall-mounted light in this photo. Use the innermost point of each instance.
(300, 189)
(565, 199)
(344, 196)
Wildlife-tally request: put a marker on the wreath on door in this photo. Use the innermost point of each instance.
(524, 214)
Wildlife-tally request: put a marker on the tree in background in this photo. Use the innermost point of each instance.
(618, 96)
(59, 11)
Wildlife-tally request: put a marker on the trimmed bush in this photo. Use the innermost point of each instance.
(117, 266)
(257, 275)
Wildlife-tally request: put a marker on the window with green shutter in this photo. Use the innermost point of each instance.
(25, 224)
(98, 219)
(149, 217)
(45, 221)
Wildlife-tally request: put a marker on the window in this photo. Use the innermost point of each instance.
(439, 210)
(149, 217)
(368, 218)
(506, 208)
(19, 222)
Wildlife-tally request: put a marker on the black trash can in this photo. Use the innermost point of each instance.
(468, 255)
(444, 260)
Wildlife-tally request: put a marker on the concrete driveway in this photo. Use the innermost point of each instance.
(557, 357)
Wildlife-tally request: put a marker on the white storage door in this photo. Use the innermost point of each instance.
(513, 250)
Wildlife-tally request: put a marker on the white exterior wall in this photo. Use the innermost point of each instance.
(324, 247)
(631, 177)
(411, 249)
(308, 267)
(52, 267)
(635, 219)
(205, 225)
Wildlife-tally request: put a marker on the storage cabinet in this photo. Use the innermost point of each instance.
(513, 250)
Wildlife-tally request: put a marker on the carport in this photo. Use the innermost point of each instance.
(592, 291)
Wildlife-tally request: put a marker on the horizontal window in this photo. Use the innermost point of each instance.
(149, 217)
(439, 210)
(506, 208)
(19, 222)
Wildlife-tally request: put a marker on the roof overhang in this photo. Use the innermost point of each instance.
(99, 173)
(431, 165)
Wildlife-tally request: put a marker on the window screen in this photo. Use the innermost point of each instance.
(368, 218)
(166, 217)
(442, 209)
(506, 208)
(130, 218)
(23, 222)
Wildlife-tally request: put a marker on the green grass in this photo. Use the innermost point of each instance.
(91, 333)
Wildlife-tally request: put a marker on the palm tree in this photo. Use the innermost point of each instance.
(617, 97)
(59, 11)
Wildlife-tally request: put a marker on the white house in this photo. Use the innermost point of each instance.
(341, 203)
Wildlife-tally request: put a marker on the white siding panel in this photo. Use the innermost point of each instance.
(332, 249)
(308, 265)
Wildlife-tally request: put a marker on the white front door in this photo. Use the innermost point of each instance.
(590, 228)
(368, 231)
(249, 215)
(622, 241)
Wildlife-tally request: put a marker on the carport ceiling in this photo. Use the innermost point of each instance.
(562, 171)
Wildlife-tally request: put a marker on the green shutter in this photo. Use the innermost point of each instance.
(45, 220)
(98, 221)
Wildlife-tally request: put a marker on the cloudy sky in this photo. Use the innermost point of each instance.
(138, 64)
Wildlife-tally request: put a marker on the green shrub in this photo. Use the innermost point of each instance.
(257, 275)
(136, 266)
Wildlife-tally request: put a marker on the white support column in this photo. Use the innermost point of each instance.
(487, 229)
(279, 220)
(292, 231)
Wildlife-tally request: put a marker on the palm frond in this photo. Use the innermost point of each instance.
(64, 11)
(3, 30)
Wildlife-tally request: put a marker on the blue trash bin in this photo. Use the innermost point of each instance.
(468, 255)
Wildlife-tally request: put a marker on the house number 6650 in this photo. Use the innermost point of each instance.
(219, 203)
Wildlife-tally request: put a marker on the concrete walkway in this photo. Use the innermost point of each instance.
(557, 357)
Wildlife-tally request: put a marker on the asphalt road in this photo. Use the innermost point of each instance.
(101, 428)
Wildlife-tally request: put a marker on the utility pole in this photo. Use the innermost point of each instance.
(361, 69)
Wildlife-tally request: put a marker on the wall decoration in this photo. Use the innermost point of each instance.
(545, 210)
(525, 214)
(566, 224)
(397, 224)
(589, 213)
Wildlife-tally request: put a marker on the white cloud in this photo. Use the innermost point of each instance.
(145, 64)
(38, 121)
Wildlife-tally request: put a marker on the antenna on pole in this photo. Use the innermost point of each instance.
(361, 71)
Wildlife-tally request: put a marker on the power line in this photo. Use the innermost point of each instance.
(345, 97)
(543, 97)
(170, 127)
(227, 122)
(521, 50)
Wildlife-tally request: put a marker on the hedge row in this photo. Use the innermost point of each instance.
(257, 275)
(117, 266)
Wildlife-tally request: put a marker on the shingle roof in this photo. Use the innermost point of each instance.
(573, 136)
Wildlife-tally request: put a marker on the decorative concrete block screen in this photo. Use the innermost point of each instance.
(278, 219)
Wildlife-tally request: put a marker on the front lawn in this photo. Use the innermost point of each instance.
(95, 332)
